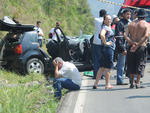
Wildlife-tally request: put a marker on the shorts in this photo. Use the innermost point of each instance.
(107, 57)
(136, 61)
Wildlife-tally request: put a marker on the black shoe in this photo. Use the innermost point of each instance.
(131, 86)
(122, 83)
(139, 86)
(94, 87)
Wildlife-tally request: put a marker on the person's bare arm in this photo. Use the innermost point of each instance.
(41, 34)
(57, 75)
(126, 34)
(103, 38)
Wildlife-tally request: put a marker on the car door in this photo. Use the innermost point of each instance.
(2, 46)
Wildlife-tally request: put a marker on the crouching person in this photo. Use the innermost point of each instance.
(66, 76)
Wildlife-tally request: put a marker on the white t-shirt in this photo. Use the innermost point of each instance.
(70, 71)
(98, 24)
(39, 30)
(54, 36)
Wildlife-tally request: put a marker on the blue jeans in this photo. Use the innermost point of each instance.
(40, 42)
(120, 67)
(60, 83)
(96, 56)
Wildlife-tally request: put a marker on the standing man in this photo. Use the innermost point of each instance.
(134, 16)
(96, 46)
(55, 33)
(40, 32)
(66, 76)
(121, 45)
(137, 35)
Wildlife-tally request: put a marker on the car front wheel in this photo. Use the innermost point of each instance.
(35, 65)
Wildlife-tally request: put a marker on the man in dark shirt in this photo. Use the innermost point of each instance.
(121, 45)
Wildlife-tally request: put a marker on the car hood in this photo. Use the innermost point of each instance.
(13, 27)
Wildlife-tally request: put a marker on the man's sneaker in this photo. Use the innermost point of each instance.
(131, 86)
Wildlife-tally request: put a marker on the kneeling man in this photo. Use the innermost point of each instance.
(66, 76)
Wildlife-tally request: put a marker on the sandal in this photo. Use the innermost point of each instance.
(109, 87)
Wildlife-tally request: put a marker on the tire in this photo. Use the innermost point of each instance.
(35, 65)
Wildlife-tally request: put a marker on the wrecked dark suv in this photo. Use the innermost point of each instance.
(20, 51)
(73, 49)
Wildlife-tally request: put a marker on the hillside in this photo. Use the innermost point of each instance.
(74, 15)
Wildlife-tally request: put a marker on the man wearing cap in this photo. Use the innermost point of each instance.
(137, 35)
(121, 45)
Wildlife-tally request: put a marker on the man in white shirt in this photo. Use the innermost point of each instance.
(52, 32)
(96, 46)
(40, 32)
(66, 76)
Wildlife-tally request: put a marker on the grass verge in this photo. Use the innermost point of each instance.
(21, 94)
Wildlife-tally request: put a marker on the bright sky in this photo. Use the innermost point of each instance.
(96, 5)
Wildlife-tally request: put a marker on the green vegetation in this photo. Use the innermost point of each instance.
(74, 15)
(25, 94)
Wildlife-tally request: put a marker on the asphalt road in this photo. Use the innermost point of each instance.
(120, 99)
